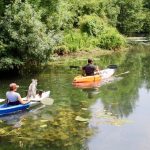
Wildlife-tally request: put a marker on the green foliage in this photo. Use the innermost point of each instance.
(101, 8)
(125, 14)
(8, 63)
(3, 4)
(59, 131)
(112, 11)
(92, 24)
(130, 18)
(3, 51)
(111, 39)
(146, 26)
(25, 35)
(1, 7)
(26, 27)
(76, 40)
(147, 4)
(58, 15)
(89, 7)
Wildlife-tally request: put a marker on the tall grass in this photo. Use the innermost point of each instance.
(76, 40)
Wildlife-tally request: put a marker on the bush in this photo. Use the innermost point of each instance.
(76, 40)
(92, 24)
(26, 38)
(111, 39)
(146, 27)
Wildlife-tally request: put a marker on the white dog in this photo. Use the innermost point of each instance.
(32, 89)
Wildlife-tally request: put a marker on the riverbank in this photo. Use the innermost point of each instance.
(83, 55)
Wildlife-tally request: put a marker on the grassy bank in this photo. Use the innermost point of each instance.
(78, 56)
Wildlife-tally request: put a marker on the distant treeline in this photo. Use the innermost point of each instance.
(32, 30)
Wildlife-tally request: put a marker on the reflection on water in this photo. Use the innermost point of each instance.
(91, 92)
(100, 116)
(132, 135)
(109, 106)
(97, 84)
(15, 119)
(94, 88)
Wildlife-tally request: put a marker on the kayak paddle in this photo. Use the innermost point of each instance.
(2, 100)
(122, 73)
(45, 101)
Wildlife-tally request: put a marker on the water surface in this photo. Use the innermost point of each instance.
(118, 111)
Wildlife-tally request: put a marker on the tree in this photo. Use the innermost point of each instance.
(147, 4)
(130, 18)
(3, 4)
(25, 36)
(146, 27)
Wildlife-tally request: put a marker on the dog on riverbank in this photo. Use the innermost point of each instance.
(32, 89)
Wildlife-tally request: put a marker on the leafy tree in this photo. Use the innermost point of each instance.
(1, 7)
(26, 37)
(111, 10)
(130, 18)
(92, 24)
(146, 26)
(147, 4)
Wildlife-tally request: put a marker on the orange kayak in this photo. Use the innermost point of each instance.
(87, 85)
(84, 79)
(103, 74)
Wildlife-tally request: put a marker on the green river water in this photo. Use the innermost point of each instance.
(112, 116)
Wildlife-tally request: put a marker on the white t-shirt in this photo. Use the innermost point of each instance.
(12, 96)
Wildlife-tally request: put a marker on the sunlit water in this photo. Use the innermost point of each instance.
(134, 134)
(119, 108)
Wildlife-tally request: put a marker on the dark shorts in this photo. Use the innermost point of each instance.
(14, 103)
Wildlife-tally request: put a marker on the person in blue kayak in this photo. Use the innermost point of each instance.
(90, 69)
(14, 98)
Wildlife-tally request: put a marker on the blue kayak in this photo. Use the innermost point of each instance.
(6, 109)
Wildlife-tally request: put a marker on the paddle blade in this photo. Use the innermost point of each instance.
(122, 73)
(2, 100)
(47, 101)
(112, 66)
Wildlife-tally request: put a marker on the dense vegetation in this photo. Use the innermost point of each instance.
(31, 30)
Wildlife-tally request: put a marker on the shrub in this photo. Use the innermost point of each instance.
(92, 24)
(111, 39)
(146, 27)
(27, 39)
(76, 40)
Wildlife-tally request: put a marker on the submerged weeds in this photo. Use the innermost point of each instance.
(61, 131)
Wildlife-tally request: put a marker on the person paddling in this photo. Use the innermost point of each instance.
(14, 98)
(89, 69)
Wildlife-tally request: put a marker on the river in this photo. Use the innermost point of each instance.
(112, 116)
